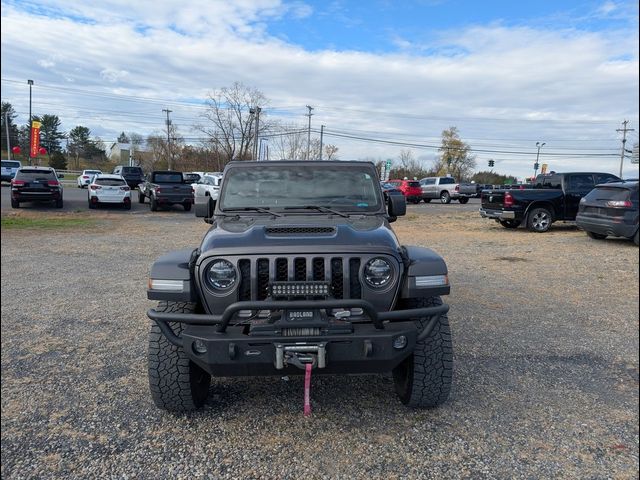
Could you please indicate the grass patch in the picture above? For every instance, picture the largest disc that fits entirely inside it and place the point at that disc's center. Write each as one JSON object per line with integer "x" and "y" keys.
{"x": 14, "y": 223}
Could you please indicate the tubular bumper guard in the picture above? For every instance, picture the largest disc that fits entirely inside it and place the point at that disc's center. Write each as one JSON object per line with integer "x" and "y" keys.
{"x": 222, "y": 321}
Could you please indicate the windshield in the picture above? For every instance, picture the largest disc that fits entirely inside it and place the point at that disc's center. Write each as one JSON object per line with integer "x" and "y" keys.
{"x": 349, "y": 187}
{"x": 167, "y": 178}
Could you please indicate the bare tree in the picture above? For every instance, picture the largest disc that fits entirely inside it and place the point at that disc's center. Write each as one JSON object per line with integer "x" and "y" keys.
{"x": 408, "y": 167}
{"x": 229, "y": 123}
{"x": 330, "y": 152}
{"x": 455, "y": 158}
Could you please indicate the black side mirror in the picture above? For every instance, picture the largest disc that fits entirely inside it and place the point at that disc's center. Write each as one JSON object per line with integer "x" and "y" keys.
{"x": 204, "y": 206}
{"x": 397, "y": 206}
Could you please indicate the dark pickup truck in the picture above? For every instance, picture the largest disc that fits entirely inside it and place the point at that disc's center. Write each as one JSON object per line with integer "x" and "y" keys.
{"x": 554, "y": 196}
{"x": 166, "y": 188}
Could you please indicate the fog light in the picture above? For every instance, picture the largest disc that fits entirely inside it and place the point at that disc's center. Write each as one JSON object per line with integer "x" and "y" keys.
{"x": 199, "y": 347}
{"x": 400, "y": 342}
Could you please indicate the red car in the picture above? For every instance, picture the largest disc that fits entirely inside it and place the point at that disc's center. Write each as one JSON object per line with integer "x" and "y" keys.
{"x": 409, "y": 188}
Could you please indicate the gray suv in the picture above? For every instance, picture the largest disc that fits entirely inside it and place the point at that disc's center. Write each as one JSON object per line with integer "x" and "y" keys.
{"x": 299, "y": 272}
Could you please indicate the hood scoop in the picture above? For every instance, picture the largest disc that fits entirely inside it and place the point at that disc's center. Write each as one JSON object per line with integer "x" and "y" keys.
{"x": 300, "y": 231}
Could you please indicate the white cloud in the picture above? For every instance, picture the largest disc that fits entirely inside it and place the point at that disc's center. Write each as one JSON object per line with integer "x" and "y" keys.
{"x": 503, "y": 86}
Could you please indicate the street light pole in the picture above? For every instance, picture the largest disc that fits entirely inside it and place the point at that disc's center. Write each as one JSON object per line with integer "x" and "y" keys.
{"x": 30, "y": 82}
{"x": 535, "y": 167}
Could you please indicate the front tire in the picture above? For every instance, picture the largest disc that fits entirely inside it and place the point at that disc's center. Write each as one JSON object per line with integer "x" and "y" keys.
{"x": 424, "y": 378}
{"x": 445, "y": 198}
{"x": 539, "y": 220}
{"x": 176, "y": 383}
{"x": 596, "y": 236}
{"x": 510, "y": 223}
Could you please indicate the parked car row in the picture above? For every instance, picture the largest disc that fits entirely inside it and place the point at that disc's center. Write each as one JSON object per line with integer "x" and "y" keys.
{"x": 600, "y": 203}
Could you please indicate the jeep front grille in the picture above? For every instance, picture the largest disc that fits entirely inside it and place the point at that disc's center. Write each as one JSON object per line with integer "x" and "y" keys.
{"x": 257, "y": 274}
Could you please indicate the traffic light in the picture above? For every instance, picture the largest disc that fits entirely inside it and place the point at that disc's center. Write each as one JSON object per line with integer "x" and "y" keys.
{"x": 491, "y": 163}
{"x": 536, "y": 166}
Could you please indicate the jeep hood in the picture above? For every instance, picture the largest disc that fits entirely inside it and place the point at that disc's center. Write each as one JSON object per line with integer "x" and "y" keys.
{"x": 295, "y": 234}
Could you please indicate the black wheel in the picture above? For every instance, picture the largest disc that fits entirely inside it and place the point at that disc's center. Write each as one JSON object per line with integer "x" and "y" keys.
{"x": 445, "y": 197}
{"x": 176, "y": 383}
{"x": 424, "y": 378}
{"x": 127, "y": 205}
{"x": 154, "y": 204}
{"x": 187, "y": 206}
{"x": 510, "y": 223}
{"x": 596, "y": 236}
{"x": 140, "y": 197}
{"x": 15, "y": 203}
{"x": 426, "y": 200}
{"x": 59, "y": 203}
{"x": 539, "y": 220}
{"x": 463, "y": 200}
{"x": 636, "y": 240}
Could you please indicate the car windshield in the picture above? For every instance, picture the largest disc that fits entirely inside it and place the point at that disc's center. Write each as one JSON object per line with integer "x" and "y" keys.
{"x": 109, "y": 182}
{"x": 349, "y": 187}
{"x": 167, "y": 178}
{"x": 608, "y": 193}
{"x": 35, "y": 175}
{"x": 132, "y": 170}
{"x": 388, "y": 185}
{"x": 10, "y": 164}
{"x": 92, "y": 172}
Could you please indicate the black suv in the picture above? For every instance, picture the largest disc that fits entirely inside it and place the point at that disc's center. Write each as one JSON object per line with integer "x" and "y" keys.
{"x": 610, "y": 209}
{"x": 299, "y": 271}
{"x": 36, "y": 184}
{"x": 132, "y": 175}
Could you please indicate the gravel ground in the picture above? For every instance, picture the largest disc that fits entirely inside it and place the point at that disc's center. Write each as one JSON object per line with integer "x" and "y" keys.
{"x": 545, "y": 330}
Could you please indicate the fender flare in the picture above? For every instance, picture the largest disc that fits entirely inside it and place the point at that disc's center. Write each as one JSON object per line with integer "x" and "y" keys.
{"x": 422, "y": 262}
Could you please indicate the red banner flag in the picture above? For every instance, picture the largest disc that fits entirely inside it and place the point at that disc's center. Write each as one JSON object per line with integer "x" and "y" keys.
{"x": 35, "y": 138}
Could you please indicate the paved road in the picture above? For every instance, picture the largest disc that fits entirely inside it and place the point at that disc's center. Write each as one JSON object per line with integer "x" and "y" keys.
{"x": 75, "y": 199}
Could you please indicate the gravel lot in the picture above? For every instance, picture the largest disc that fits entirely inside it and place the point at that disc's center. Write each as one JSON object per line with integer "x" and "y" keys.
{"x": 545, "y": 330}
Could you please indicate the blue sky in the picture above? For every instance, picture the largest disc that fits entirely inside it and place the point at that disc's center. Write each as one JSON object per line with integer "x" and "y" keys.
{"x": 506, "y": 74}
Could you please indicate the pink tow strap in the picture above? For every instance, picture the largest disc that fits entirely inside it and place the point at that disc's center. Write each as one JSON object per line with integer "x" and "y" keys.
{"x": 307, "y": 390}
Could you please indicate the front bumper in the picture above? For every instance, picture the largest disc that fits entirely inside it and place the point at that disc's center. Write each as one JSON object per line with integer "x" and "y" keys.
{"x": 356, "y": 348}
{"x": 497, "y": 214}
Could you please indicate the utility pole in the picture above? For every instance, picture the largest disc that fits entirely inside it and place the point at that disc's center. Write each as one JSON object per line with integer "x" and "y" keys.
{"x": 624, "y": 131}
{"x": 256, "y": 111}
{"x": 6, "y": 124}
{"x": 309, "y": 131}
{"x": 169, "y": 155}
{"x": 537, "y": 164}
{"x": 30, "y": 82}
{"x": 321, "y": 137}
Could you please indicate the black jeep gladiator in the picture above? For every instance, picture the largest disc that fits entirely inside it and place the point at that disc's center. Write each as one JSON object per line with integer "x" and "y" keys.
{"x": 166, "y": 188}
{"x": 300, "y": 270}
{"x": 554, "y": 196}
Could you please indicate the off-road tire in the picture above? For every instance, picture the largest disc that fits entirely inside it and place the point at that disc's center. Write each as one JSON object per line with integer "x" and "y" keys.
{"x": 596, "y": 236}
{"x": 510, "y": 223}
{"x": 424, "y": 378}
{"x": 463, "y": 200}
{"x": 539, "y": 220}
{"x": 176, "y": 383}
{"x": 154, "y": 204}
{"x": 445, "y": 198}
{"x": 140, "y": 197}
{"x": 187, "y": 206}
{"x": 15, "y": 203}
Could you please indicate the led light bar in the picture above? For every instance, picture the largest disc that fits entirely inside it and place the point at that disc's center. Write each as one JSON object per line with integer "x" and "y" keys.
{"x": 294, "y": 289}
{"x": 166, "y": 285}
{"x": 432, "y": 281}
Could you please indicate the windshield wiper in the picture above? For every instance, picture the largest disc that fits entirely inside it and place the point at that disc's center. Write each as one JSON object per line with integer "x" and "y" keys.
{"x": 320, "y": 209}
{"x": 253, "y": 209}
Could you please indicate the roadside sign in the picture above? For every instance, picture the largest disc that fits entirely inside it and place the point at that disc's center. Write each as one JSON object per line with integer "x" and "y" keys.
{"x": 387, "y": 170}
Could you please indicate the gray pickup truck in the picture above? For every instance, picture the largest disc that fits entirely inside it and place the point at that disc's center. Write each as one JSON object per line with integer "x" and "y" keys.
{"x": 444, "y": 189}
{"x": 166, "y": 188}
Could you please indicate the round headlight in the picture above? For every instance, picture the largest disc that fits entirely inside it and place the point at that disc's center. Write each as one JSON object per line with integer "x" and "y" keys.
{"x": 378, "y": 273}
{"x": 221, "y": 275}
